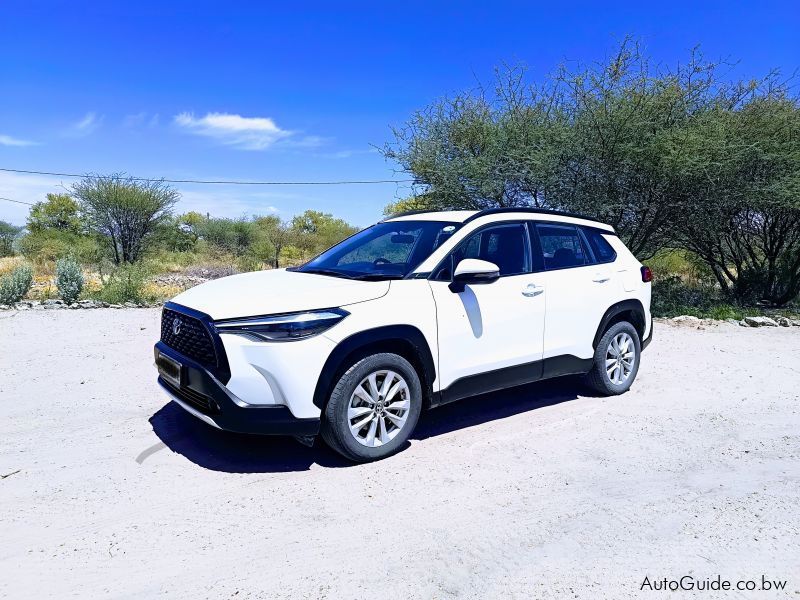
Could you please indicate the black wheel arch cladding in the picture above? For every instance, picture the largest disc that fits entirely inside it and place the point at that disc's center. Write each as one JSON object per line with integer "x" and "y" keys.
{"x": 627, "y": 310}
{"x": 405, "y": 340}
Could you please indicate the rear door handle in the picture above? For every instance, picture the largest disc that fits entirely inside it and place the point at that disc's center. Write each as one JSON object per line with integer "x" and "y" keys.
{"x": 601, "y": 278}
{"x": 532, "y": 290}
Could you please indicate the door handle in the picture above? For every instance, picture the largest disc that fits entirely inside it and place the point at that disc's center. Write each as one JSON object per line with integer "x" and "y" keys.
{"x": 532, "y": 290}
{"x": 601, "y": 278}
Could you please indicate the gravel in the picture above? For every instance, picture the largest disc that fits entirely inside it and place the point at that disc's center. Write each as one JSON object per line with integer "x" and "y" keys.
{"x": 540, "y": 492}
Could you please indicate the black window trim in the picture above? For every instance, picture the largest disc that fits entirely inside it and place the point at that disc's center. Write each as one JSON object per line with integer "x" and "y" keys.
{"x": 533, "y": 239}
{"x": 529, "y": 244}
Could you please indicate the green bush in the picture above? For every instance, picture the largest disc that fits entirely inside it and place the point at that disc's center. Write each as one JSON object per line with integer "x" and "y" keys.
{"x": 69, "y": 279}
{"x": 47, "y": 246}
{"x": 125, "y": 284}
{"x": 673, "y": 296}
{"x": 13, "y": 287}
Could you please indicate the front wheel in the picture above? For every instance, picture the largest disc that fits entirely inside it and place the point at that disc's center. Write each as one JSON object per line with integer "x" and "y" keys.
{"x": 373, "y": 408}
{"x": 616, "y": 360}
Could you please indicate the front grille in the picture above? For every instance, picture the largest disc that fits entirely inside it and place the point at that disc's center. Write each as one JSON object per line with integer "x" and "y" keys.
{"x": 190, "y": 337}
{"x": 196, "y": 400}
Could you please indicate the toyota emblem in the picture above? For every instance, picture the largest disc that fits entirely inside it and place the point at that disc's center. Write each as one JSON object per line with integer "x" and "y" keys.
{"x": 176, "y": 327}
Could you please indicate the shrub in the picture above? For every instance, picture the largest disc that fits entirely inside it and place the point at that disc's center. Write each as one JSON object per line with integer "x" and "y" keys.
{"x": 13, "y": 287}
{"x": 125, "y": 284}
{"x": 69, "y": 279}
{"x": 47, "y": 246}
{"x": 672, "y": 296}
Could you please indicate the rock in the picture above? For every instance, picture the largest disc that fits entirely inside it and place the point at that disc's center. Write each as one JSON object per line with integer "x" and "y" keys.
{"x": 74, "y": 306}
{"x": 743, "y": 323}
{"x": 5, "y": 307}
{"x": 115, "y": 306}
{"x": 685, "y": 319}
{"x": 53, "y": 302}
{"x": 760, "y": 322}
{"x": 22, "y": 306}
{"x": 795, "y": 322}
{"x": 131, "y": 305}
{"x": 732, "y": 321}
{"x": 784, "y": 322}
{"x": 104, "y": 304}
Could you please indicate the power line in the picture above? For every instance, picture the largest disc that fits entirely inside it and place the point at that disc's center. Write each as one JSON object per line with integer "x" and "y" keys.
{"x": 17, "y": 201}
{"x": 216, "y": 182}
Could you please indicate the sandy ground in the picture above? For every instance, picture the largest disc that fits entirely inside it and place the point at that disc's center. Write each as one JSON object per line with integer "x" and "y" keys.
{"x": 543, "y": 492}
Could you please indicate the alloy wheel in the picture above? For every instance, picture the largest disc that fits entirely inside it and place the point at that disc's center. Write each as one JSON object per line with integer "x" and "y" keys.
{"x": 378, "y": 408}
{"x": 620, "y": 358}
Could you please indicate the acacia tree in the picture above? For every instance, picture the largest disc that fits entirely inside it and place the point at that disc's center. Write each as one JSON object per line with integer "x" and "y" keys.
{"x": 277, "y": 234}
{"x": 59, "y": 212}
{"x": 8, "y": 233}
{"x": 125, "y": 211}
{"x": 743, "y": 177}
{"x": 595, "y": 140}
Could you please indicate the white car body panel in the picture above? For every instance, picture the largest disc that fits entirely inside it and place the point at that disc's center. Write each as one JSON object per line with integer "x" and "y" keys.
{"x": 488, "y": 326}
{"x": 282, "y": 373}
{"x": 276, "y": 291}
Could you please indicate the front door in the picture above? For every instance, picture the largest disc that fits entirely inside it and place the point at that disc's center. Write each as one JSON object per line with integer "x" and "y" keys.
{"x": 491, "y": 334}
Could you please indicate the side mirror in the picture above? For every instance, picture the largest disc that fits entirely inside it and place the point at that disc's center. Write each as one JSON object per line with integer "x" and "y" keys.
{"x": 471, "y": 271}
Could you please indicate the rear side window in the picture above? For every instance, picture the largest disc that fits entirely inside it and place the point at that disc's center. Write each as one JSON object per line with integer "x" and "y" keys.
{"x": 561, "y": 246}
{"x": 602, "y": 250}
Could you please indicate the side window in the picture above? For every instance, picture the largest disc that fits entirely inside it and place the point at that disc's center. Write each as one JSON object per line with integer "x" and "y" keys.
{"x": 601, "y": 249}
{"x": 504, "y": 245}
{"x": 561, "y": 246}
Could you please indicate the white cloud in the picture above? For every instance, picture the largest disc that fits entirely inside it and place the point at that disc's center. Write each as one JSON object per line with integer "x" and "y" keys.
{"x": 7, "y": 140}
{"x": 228, "y": 204}
{"x": 86, "y": 126}
{"x": 140, "y": 120}
{"x": 246, "y": 133}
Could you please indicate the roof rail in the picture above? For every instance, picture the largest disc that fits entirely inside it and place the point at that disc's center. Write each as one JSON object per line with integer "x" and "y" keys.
{"x": 525, "y": 209}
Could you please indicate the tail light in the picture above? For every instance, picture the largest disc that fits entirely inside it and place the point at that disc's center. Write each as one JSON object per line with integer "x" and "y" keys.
{"x": 647, "y": 274}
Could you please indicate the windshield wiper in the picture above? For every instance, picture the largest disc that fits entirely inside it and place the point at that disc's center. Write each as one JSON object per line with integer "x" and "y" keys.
{"x": 377, "y": 276}
{"x": 330, "y": 272}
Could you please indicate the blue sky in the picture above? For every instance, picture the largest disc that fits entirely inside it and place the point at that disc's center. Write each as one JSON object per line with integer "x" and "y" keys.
{"x": 300, "y": 91}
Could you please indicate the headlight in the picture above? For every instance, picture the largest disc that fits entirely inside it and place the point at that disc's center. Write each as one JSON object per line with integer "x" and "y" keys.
{"x": 283, "y": 328}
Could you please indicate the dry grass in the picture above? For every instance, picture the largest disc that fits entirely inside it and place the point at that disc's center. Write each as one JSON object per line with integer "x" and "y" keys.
{"x": 9, "y": 263}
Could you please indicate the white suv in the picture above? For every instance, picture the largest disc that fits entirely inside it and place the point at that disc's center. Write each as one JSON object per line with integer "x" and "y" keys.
{"x": 416, "y": 311}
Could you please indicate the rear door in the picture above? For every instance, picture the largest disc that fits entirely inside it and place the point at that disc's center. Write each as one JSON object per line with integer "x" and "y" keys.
{"x": 580, "y": 288}
{"x": 487, "y": 329}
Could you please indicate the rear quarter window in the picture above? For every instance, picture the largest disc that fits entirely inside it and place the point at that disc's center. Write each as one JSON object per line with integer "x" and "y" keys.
{"x": 602, "y": 250}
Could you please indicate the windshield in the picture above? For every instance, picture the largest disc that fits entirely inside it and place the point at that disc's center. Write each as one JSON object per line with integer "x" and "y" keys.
{"x": 389, "y": 250}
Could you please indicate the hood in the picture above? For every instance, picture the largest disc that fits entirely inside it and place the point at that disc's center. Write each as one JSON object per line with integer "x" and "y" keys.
{"x": 276, "y": 291}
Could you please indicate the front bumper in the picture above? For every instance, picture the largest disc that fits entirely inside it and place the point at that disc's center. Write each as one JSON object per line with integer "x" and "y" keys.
{"x": 205, "y": 397}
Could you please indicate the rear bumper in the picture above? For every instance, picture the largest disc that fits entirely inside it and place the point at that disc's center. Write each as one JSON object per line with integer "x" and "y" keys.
{"x": 206, "y": 398}
{"x": 646, "y": 341}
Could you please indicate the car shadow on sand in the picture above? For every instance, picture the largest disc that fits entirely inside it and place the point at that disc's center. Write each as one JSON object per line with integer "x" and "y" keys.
{"x": 241, "y": 453}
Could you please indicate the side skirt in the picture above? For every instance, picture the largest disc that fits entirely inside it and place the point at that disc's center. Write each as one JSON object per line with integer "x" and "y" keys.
{"x": 508, "y": 377}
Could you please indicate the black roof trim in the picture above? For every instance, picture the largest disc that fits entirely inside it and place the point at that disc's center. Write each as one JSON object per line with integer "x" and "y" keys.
{"x": 525, "y": 209}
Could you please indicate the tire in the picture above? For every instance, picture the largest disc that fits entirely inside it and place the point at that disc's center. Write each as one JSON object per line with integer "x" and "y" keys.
{"x": 366, "y": 420}
{"x": 605, "y": 377}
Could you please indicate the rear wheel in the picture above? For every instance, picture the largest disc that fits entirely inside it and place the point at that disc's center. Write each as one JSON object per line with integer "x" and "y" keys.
{"x": 373, "y": 408}
{"x": 616, "y": 360}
